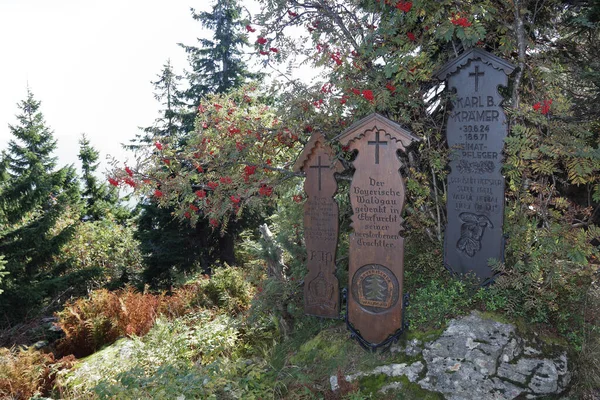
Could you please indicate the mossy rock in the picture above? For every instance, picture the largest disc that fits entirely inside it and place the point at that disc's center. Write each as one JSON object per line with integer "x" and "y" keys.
{"x": 549, "y": 343}
{"x": 423, "y": 336}
{"x": 373, "y": 384}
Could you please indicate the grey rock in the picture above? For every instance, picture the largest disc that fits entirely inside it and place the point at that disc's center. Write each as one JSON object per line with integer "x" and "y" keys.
{"x": 393, "y": 370}
{"x": 411, "y": 349}
{"x": 410, "y": 371}
{"x": 545, "y": 379}
{"x": 477, "y": 358}
{"x": 479, "y": 342}
{"x": 333, "y": 381}
{"x": 513, "y": 349}
{"x": 561, "y": 363}
{"x": 530, "y": 351}
{"x": 462, "y": 380}
{"x": 126, "y": 350}
{"x": 520, "y": 372}
{"x": 507, "y": 389}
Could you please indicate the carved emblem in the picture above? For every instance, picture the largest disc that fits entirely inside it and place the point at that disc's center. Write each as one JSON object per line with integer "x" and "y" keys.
{"x": 321, "y": 293}
{"x": 471, "y": 232}
{"x": 375, "y": 288}
{"x": 475, "y": 167}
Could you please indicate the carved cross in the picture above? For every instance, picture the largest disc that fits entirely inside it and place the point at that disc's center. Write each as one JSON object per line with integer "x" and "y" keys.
{"x": 476, "y": 74}
{"x": 319, "y": 167}
{"x": 376, "y": 143}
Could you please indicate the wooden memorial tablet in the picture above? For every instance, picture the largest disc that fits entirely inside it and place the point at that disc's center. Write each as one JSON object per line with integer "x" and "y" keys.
{"x": 377, "y": 194}
{"x": 321, "y": 287}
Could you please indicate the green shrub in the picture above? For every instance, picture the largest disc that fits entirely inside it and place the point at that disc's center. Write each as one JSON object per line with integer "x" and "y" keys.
{"x": 587, "y": 379}
{"x": 547, "y": 273}
{"x": 435, "y": 296}
{"x": 227, "y": 289}
{"x": 107, "y": 245}
{"x": 432, "y": 305}
{"x": 99, "y": 319}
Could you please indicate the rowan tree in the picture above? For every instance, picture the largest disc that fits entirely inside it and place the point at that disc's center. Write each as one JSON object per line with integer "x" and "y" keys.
{"x": 238, "y": 158}
{"x": 382, "y": 56}
{"x": 216, "y": 65}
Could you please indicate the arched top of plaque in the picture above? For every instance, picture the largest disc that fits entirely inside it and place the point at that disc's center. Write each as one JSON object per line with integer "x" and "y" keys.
{"x": 378, "y": 123}
{"x": 316, "y": 144}
{"x": 461, "y": 61}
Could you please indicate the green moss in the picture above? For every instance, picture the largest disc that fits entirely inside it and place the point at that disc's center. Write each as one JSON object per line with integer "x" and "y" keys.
{"x": 369, "y": 386}
{"x": 518, "y": 322}
{"x": 326, "y": 345}
{"x": 332, "y": 350}
{"x": 494, "y": 316}
{"x": 549, "y": 344}
{"x": 424, "y": 336}
{"x": 553, "y": 341}
{"x": 373, "y": 383}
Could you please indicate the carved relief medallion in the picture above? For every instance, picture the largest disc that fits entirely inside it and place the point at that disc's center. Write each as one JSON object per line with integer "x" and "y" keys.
{"x": 375, "y": 288}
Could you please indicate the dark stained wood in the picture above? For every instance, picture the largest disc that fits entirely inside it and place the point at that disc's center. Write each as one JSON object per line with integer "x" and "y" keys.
{"x": 476, "y": 131}
{"x": 321, "y": 287}
{"x": 377, "y": 196}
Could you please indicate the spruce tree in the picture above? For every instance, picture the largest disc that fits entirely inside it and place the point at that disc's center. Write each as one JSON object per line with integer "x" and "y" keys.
{"x": 217, "y": 64}
{"x": 39, "y": 208}
{"x": 169, "y": 124}
{"x": 101, "y": 201}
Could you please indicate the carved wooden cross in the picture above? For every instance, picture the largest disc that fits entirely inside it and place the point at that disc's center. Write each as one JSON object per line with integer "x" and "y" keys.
{"x": 476, "y": 74}
{"x": 319, "y": 167}
{"x": 376, "y": 143}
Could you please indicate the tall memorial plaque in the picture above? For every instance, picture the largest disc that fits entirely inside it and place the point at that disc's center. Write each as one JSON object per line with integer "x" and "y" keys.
{"x": 377, "y": 193}
{"x": 321, "y": 287}
{"x": 475, "y": 132}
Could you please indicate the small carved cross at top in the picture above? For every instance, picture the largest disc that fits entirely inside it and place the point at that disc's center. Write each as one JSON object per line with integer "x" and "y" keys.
{"x": 319, "y": 166}
{"x": 376, "y": 143}
{"x": 476, "y": 74}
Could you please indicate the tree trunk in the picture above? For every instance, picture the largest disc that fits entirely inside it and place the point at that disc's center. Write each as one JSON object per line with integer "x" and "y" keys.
{"x": 227, "y": 249}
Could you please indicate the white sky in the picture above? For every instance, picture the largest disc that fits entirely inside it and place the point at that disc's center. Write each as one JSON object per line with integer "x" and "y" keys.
{"x": 90, "y": 63}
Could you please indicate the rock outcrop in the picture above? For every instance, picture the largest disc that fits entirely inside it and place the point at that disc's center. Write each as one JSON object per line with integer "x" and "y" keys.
{"x": 477, "y": 358}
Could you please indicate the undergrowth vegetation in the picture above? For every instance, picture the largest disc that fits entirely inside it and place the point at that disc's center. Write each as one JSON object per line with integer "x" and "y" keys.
{"x": 93, "y": 322}
{"x": 224, "y": 337}
{"x": 25, "y": 373}
{"x": 197, "y": 323}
